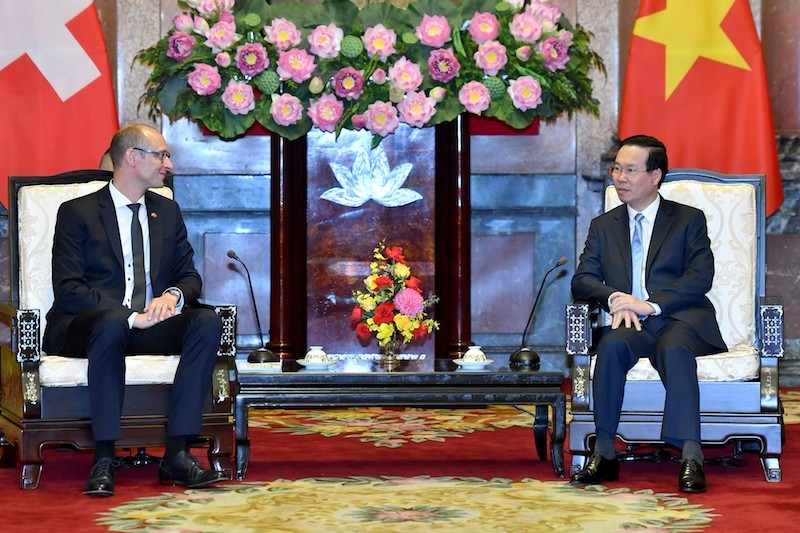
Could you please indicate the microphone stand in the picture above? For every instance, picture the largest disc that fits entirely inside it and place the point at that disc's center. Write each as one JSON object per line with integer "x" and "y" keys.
{"x": 261, "y": 354}
{"x": 525, "y": 357}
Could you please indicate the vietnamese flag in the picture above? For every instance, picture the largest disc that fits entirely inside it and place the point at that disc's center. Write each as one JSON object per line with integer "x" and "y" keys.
{"x": 695, "y": 79}
{"x": 58, "y": 109}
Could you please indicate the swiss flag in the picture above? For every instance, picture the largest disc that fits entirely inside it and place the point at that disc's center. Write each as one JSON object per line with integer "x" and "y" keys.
{"x": 695, "y": 80}
{"x": 58, "y": 110}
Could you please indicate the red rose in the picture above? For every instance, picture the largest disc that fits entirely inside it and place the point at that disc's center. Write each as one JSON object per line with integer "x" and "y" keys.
{"x": 384, "y": 313}
{"x": 396, "y": 253}
{"x": 363, "y": 332}
{"x": 356, "y": 315}
{"x": 383, "y": 282}
{"x": 420, "y": 332}
{"x": 413, "y": 283}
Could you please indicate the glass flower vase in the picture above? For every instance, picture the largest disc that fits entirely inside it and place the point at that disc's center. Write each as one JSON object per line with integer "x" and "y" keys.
{"x": 389, "y": 353}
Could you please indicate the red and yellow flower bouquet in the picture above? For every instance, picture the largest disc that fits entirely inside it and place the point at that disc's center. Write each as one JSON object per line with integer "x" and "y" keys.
{"x": 392, "y": 308}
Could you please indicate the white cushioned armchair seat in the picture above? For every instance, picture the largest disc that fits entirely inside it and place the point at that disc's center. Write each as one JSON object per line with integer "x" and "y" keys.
{"x": 36, "y": 229}
{"x": 728, "y": 208}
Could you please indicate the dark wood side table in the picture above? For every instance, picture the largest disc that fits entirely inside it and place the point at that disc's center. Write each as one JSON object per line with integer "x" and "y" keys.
{"x": 348, "y": 385}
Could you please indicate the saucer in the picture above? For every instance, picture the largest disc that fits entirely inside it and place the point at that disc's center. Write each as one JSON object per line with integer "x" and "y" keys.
{"x": 472, "y": 365}
{"x": 315, "y": 365}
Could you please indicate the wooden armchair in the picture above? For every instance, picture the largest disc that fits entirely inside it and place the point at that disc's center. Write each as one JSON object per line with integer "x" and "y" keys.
{"x": 739, "y": 400}
{"x": 43, "y": 398}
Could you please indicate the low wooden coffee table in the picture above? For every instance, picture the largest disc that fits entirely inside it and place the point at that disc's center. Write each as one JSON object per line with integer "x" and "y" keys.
{"x": 347, "y": 385}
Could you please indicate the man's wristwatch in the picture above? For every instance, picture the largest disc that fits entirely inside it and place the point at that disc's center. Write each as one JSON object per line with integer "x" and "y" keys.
{"x": 175, "y": 292}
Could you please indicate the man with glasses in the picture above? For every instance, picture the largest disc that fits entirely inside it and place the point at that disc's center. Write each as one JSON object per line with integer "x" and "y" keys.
{"x": 648, "y": 263}
{"x": 124, "y": 281}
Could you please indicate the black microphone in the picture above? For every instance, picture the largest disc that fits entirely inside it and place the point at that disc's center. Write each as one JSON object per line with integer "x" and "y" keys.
{"x": 524, "y": 356}
{"x": 262, "y": 354}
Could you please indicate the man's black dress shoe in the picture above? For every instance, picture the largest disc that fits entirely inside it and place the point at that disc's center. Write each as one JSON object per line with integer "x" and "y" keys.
{"x": 101, "y": 479}
{"x": 597, "y": 470}
{"x": 692, "y": 478}
{"x": 184, "y": 469}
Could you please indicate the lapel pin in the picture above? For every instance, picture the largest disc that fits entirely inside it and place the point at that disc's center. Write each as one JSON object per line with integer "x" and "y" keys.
{"x": 153, "y": 215}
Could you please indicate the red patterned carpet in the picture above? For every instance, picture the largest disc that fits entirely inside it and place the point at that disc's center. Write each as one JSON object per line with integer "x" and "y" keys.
{"x": 408, "y": 470}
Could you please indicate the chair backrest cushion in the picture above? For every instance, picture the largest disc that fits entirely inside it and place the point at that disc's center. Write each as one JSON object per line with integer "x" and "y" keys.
{"x": 37, "y": 207}
{"x": 730, "y": 210}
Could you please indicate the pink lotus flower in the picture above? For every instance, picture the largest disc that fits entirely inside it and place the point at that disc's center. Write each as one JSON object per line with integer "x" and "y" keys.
{"x": 325, "y": 41}
{"x": 443, "y": 65}
{"x": 380, "y": 41}
{"x": 223, "y": 59}
{"x": 379, "y": 76}
{"x": 416, "y": 109}
{"x": 283, "y": 34}
{"x": 221, "y": 36}
{"x": 491, "y": 57}
{"x": 201, "y": 26}
{"x": 212, "y": 7}
{"x": 474, "y": 96}
{"x": 180, "y": 46}
{"x": 204, "y": 79}
{"x": 484, "y": 27}
{"x": 409, "y": 302}
{"x": 381, "y": 118}
{"x": 555, "y": 53}
{"x": 347, "y": 83}
{"x": 523, "y": 53}
{"x": 546, "y": 14}
{"x": 405, "y": 75}
{"x": 525, "y": 27}
{"x": 286, "y": 109}
{"x": 325, "y": 112}
{"x": 296, "y": 64}
{"x": 433, "y": 31}
{"x": 251, "y": 58}
{"x": 183, "y": 22}
{"x": 525, "y": 93}
{"x": 238, "y": 98}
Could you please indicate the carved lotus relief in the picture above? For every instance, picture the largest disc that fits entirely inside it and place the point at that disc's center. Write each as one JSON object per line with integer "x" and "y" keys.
{"x": 371, "y": 178}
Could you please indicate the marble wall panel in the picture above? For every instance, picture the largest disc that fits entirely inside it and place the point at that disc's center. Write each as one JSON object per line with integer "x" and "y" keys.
{"x": 225, "y": 279}
{"x": 782, "y": 59}
{"x": 521, "y": 226}
{"x": 783, "y": 256}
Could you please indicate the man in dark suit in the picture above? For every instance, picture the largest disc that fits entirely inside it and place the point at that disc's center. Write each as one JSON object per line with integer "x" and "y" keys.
{"x": 648, "y": 263}
{"x": 123, "y": 276}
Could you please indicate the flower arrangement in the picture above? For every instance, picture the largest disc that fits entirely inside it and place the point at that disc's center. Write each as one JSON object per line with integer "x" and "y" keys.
{"x": 292, "y": 66}
{"x": 392, "y": 308}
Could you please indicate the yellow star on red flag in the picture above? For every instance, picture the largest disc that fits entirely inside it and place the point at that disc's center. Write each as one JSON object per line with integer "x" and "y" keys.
{"x": 689, "y": 30}
{"x": 695, "y": 79}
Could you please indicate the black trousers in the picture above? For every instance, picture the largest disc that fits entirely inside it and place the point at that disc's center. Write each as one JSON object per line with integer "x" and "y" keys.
{"x": 105, "y": 339}
{"x": 671, "y": 346}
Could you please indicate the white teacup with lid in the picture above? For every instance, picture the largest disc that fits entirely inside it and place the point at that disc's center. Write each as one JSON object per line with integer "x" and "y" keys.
{"x": 316, "y": 354}
{"x": 474, "y": 355}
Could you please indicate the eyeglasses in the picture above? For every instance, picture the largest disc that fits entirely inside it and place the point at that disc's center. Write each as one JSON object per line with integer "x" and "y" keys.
{"x": 163, "y": 155}
{"x": 617, "y": 170}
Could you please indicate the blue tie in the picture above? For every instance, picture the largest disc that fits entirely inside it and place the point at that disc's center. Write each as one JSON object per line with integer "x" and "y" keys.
{"x": 637, "y": 253}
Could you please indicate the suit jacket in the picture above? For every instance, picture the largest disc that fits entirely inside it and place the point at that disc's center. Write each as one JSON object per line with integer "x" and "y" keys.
{"x": 678, "y": 272}
{"x": 88, "y": 271}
